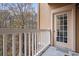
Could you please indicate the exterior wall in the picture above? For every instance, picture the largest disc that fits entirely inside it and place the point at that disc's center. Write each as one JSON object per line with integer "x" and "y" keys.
{"x": 45, "y": 16}
{"x": 46, "y": 20}
{"x": 57, "y": 5}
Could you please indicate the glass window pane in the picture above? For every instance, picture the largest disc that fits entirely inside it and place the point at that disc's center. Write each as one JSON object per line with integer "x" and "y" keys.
{"x": 61, "y": 28}
{"x": 65, "y": 28}
{"x": 58, "y": 38}
{"x": 65, "y": 40}
{"x": 65, "y": 22}
{"x": 61, "y": 17}
{"x": 61, "y": 33}
{"x": 65, "y": 34}
{"x": 65, "y": 16}
{"x": 61, "y": 22}
{"x": 61, "y": 39}
{"x": 58, "y": 33}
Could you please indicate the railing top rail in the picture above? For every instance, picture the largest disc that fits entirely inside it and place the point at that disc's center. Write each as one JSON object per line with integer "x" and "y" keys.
{"x": 16, "y": 30}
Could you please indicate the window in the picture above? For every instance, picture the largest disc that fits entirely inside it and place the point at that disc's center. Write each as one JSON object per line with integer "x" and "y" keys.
{"x": 62, "y": 28}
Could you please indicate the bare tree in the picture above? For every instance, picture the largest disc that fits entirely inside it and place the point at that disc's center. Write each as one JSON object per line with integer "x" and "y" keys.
{"x": 19, "y": 14}
{"x": 4, "y": 14}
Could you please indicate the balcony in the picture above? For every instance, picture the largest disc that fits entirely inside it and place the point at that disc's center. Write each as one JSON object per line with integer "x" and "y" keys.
{"x": 22, "y": 42}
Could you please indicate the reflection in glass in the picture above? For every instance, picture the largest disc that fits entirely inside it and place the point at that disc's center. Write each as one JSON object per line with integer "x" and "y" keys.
{"x": 62, "y": 28}
{"x": 61, "y": 39}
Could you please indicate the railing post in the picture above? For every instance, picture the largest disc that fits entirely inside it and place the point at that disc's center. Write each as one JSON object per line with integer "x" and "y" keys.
{"x": 25, "y": 44}
{"x": 29, "y": 43}
{"x": 35, "y": 43}
{"x": 4, "y": 45}
{"x": 41, "y": 38}
{"x": 13, "y": 45}
{"x": 32, "y": 44}
{"x": 20, "y": 44}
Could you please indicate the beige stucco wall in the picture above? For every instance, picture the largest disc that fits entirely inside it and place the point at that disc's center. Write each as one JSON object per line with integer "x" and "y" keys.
{"x": 46, "y": 21}
{"x": 45, "y": 16}
{"x": 57, "y": 5}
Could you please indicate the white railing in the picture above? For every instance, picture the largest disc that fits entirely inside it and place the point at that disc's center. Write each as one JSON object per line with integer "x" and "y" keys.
{"x": 23, "y": 42}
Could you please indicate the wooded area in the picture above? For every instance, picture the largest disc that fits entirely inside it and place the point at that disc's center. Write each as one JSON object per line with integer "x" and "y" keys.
{"x": 18, "y": 15}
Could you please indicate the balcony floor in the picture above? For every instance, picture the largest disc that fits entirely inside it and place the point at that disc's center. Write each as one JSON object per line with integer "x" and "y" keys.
{"x": 52, "y": 51}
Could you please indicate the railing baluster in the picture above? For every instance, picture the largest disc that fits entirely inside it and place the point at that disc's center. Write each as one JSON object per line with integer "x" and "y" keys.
{"x": 4, "y": 45}
{"x": 29, "y": 43}
{"x": 25, "y": 44}
{"x": 41, "y": 44}
{"x": 20, "y": 44}
{"x": 35, "y": 43}
{"x": 32, "y": 43}
{"x": 13, "y": 45}
{"x": 41, "y": 34}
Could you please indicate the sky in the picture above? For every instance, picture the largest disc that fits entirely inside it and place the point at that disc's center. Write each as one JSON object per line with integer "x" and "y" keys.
{"x": 35, "y": 5}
